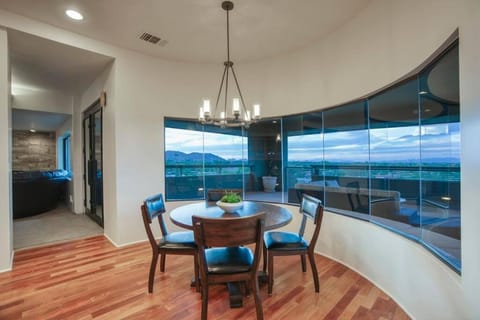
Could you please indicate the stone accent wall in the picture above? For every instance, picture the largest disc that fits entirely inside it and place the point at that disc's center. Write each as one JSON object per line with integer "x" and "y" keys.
{"x": 33, "y": 150}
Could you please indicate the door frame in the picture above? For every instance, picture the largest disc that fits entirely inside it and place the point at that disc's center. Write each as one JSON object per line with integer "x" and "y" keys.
{"x": 88, "y": 115}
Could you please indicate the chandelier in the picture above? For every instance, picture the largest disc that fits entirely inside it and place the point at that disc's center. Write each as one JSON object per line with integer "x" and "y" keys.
{"x": 240, "y": 116}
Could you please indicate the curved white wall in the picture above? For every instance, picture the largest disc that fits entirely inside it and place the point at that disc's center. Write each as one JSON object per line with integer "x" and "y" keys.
{"x": 379, "y": 46}
{"x": 383, "y": 43}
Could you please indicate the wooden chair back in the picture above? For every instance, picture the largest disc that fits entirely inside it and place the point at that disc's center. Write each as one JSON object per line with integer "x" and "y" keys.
{"x": 222, "y": 235}
{"x": 228, "y": 232}
{"x": 311, "y": 208}
{"x": 153, "y": 208}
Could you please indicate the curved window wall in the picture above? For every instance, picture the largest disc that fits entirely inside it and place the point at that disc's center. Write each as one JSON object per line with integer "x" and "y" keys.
{"x": 392, "y": 159}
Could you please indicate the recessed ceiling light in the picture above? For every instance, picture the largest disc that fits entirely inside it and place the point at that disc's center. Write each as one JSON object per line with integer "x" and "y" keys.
{"x": 33, "y": 130}
{"x": 75, "y": 15}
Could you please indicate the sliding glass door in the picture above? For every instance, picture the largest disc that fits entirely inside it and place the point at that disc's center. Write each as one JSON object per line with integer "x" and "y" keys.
{"x": 93, "y": 166}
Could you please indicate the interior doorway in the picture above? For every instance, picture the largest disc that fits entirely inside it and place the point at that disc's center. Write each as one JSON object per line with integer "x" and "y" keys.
{"x": 93, "y": 162}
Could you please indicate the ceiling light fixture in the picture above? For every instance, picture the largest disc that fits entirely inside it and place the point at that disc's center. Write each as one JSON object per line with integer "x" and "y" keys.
{"x": 241, "y": 117}
{"x": 75, "y": 15}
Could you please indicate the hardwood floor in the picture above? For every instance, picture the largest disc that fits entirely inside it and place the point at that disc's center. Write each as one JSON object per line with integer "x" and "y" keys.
{"x": 91, "y": 279}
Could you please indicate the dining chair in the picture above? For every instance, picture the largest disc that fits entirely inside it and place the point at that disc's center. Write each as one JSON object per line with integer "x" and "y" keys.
{"x": 224, "y": 256}
{"x": 177, "y": 243}
{"x": 281, "y": 243}
{"x": 355, "y": 199}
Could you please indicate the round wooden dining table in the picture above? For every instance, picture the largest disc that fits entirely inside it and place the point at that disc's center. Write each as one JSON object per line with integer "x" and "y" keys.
{"x": 276, "y": 216}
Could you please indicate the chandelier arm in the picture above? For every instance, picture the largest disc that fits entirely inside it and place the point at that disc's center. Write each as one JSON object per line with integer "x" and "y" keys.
{"x": 220, "y": 89}
{"x": 226, "y": 90}
{"x": 239, "y": 91}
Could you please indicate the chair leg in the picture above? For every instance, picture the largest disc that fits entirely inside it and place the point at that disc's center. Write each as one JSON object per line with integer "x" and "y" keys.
{"x": 247, "y": 286}
{"x": 195, "y": 268}
{"x": 302, "y": 258}
{"x": 264, "y": 258}
{"x": 258, "y": 299}
{"x": 163, "y": 256}
{"x": 314, "y": 271}
{"x": 270, "y": 272}
{"x": 151, "y": 274}
{"x": 204, "y": 300}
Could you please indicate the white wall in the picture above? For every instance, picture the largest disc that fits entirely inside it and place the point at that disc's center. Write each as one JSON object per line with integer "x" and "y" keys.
{"x": 6, "y": 237}
{"x": 380, "y": 45}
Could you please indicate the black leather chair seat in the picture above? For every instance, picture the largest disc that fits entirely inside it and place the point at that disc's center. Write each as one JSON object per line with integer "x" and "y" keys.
{"x": 284, "y": 241}
{"x": 178, "y": 240}
{"x": 229, "y": 260}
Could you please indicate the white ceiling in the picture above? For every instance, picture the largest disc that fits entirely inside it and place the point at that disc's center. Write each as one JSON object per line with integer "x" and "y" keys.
{"x": 196, "y": 29}
{"x": 37, "y": 120}
{"x": 41, "y": 64}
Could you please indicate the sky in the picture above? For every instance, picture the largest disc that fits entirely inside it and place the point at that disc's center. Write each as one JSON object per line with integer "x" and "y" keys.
{"x": 386, "y": 144}
{"x": 188, "y": 141}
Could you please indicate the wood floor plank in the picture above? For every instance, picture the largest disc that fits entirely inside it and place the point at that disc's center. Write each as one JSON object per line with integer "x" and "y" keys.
{"x": 91, "y": 279}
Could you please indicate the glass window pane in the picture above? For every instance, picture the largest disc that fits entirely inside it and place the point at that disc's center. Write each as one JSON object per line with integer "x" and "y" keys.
{"x": 395, "y": 157}
{"x": 346, "y": 159}
{"x": 224, "y": 159}
{"x": 304, "y": 154}
{"x": 265, "y": 161}
{"x": 183, "y": 164}
{"x": 440, "y": 148}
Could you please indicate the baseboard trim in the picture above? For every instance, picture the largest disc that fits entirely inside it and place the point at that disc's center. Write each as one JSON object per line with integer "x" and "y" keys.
{"x": 125, "y": 244}
{"x": 10, "y": 268}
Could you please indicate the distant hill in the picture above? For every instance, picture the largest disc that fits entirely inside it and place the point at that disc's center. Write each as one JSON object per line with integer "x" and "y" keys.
{"x": 194, "y": 157}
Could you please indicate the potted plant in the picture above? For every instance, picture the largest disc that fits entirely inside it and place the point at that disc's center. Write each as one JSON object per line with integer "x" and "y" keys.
{"x": 230, "y": 202}
{"x": 269, "y": 183}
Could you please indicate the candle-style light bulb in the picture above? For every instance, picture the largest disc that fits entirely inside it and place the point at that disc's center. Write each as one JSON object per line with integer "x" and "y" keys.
{"x": 201, "y": 116}
{"x": 206, "y": 107}
{"x": 256, "y": 111}
{"x": 236, "y": 106}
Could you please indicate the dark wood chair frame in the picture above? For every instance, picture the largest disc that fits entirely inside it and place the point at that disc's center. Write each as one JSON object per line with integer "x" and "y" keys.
{"x": 148, "y": 217}
{"x": 229, "y": 232}
{"x": 311, "y": 208}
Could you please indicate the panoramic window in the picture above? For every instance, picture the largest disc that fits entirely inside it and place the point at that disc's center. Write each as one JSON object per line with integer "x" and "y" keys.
{"x": 392, "y": 159}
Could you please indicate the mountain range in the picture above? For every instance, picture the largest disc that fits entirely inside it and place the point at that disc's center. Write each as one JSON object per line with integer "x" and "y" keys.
{"x": 194, "y": 157}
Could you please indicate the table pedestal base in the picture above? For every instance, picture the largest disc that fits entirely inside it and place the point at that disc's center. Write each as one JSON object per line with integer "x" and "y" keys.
{"x": 235, "y": 294}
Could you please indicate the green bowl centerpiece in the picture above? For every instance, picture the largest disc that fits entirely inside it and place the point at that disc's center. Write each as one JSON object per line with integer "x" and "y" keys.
{"x": 230, "y": 202}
